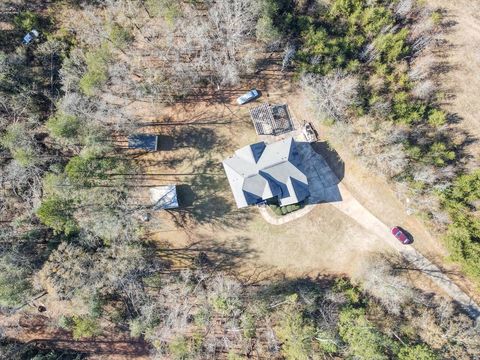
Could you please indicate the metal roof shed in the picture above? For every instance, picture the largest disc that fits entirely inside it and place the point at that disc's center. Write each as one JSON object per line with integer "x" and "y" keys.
{"x": 164, "y": 197}
{"x": 143, "y": 141}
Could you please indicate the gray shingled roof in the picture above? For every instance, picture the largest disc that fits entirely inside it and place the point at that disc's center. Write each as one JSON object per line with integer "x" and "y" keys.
{"x": 259, "y": 172}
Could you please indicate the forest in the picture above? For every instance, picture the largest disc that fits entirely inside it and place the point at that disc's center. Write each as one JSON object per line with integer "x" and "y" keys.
{"x": 72, "y": 233}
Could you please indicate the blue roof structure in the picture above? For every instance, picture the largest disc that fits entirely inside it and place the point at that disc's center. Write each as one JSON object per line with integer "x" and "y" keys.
{"x": 143, "y": 141}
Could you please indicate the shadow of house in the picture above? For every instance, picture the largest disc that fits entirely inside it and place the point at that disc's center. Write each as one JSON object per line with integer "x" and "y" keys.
{"x": 322, "y": 180}
{"x": 201, "y": 203}
{"x": 332, "y": 158}
{"x": 286, "y": 171}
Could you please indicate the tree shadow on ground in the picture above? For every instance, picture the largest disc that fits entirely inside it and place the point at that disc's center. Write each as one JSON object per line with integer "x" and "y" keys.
{"x": 204, "y": 202}
{"x": 300, "y": 285}
{"x": 199, "y": 138}
{"x": 400, "y": 265}
{"x": 206, "y": 252}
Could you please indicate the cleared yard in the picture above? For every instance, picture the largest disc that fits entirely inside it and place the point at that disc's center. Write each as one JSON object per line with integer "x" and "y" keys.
{"x": 203, "y": 133}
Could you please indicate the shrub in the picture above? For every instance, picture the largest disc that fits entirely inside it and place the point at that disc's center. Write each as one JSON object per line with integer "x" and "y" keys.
{"x": 225, "y": 304}
{"x": 405, "y": 110}
{"x": 136, "y": 327}
{"x": 15, "y": 287}
{"x": 352, "y": 293}
{"x": 266, "y": 31}
{"x": 62, "y": 125}
{"x": 416, "y": 352}
{"x": 439, "y": 154}
{"x": 183, "y": 348}
{"x": 57, "y": 214}
{"x": 95, "y": 306}
{"x": 169, "y": 10}
{"x": 232, "y": 355}
{"x": 248, "y": 326}
{"x": 345, "y": 7}
{"x": 18, "y": 141}
{"x": 463, "y": 237}
{"x": 85, "y": 327}
{"x": 437, "y": 17}
{"x": 82, "y": 170}
{"x": 66, "y": 322}
{"x": 392, "y": 47}
{"x": 119, "y": 35}
{"x": 437, "y": 118}
{"x": 25, "y": 156}
{"x": 295, "y": 333}
{"x": 27, "y": 20}
{"x": 363, "y": 339}
{"x": 97, "y": 70}
{"x": 374, "y": 18}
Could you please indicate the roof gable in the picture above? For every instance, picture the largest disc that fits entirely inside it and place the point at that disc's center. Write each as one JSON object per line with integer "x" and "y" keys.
{"x": 259, "y": 172}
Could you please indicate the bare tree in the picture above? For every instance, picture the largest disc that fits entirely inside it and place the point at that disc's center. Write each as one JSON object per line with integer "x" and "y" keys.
{"x": 331, "y": 95}
{"x": 424, "y": 90}
{"x": 404, "y": 8}
{"x": 288, "y": 55}
{"x": 379, "y": 280}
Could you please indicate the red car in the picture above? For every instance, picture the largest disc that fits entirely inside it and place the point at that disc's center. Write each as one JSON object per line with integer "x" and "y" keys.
{"x": 400, "y": 236}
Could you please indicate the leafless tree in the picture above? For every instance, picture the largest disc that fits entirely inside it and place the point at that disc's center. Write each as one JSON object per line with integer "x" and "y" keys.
{"x": 424, "y": 90}
{"x": 379, "y": 280}
{"x": 422, "y": 67}
{"x": 404, "y": 8}
{"x": 288, "y": 55}
{"x": 331, "y": 95}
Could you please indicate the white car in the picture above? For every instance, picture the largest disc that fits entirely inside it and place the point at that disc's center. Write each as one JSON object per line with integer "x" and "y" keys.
{"x": 32, "y": 35}
{"x": 249, "y": 96}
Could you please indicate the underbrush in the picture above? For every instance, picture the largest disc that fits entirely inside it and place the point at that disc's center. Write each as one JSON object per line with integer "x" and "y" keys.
{"x": 284, "y": 210}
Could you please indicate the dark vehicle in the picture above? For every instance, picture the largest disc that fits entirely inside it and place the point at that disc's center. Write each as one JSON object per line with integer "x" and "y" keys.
{"x": 399, "y": 234}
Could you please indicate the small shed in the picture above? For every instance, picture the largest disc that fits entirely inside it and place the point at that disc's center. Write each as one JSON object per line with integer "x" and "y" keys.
{"x": 143, "y": 141}
{"x": 164, "y": 197}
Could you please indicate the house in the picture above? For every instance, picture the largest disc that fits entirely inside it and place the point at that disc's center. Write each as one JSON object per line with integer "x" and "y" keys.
{"x": 261, "y": 172}
{"x": 164, "y": 197}
{"x": 143, "y": 141}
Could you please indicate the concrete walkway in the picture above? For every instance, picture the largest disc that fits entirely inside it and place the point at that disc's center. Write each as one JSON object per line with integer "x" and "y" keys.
{"x": 325, "y": 187}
